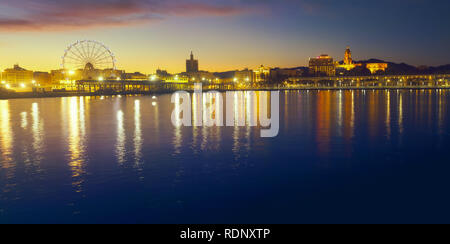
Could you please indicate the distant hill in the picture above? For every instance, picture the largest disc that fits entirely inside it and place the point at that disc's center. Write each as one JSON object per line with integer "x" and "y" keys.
{"x": 406, "y": 69}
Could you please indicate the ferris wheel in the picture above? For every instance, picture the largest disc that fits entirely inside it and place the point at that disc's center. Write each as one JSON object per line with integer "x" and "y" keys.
{"x": 88, "y": 54}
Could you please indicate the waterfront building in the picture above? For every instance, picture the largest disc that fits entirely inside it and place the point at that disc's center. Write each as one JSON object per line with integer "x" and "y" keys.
{"x": 278, "y": 74}
{"x": 42, "y": 78}
{"x": 112, "y": 74}
{"x": 89, "y": 72}
{"x": 17, "y": 76}
{"x": 323, "y": 65}
{"x": 162, "y": 74}
{"x": 192, "y": 65}
{"x": 57, "y": 76}
{"x": 201, "y": 76}
{"x": 177, "y": 79}
{"x": 262, "y": 74}
{"x": 136, "y": 76}
{"x": 245, "y": 76}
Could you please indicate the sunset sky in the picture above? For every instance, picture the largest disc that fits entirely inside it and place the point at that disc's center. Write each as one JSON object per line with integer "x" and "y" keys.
{"x": 225, "y": 34}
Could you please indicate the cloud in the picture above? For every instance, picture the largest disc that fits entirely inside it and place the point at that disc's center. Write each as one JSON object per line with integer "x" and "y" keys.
{"x": 60, "y": 15}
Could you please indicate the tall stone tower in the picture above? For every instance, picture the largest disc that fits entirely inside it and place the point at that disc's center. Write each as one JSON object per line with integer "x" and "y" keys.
{"x": 192, "y": 65}
{"x": 348, "y": 57}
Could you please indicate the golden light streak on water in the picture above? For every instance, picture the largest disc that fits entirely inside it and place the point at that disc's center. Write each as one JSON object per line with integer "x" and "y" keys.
{"x": 37, "y": 132}
{"x": 340, "y": 117}
{"x": 6, "y": 138}
{"x": 388, "y": 114}
{"x": 24, "y": 120}
{"x": 400, "y": 113}
{"x": 155, "y": 136}
{"x": 177, "y": 140}
{"x": 138, "y": 141}
{"x": 120, "y": 145}
{"x": 441, "y": 109}
{"x": 74, "y": 137}
{"x": 352, "y": 119}
{"x": 82, "y": 117}
{"x": 77, "y": 141}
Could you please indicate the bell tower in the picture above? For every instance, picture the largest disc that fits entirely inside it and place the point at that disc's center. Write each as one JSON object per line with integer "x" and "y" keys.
{"x": 192, "y": 64}
{"x": 348, "y": 57}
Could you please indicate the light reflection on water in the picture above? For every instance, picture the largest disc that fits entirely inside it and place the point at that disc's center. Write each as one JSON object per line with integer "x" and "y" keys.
{"x": 120, "y": 146}
{"x": 38, "y": 133}
{"x": 6, "y": 139}
{"x": 74, "y": 108}
{"x": 127, "y": 148}
{"x": 137, "y": 133}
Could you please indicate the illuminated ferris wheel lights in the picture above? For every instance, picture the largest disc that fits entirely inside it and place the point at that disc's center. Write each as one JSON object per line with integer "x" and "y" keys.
{"x": 88, "y": 55}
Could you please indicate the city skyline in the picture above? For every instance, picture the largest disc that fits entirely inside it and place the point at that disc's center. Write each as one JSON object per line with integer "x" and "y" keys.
{"x": 338, "y": 59}
{"x": 232, "y": 35}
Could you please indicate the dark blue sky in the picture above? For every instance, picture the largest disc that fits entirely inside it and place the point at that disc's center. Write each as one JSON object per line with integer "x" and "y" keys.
{"x": 414, "y": 31}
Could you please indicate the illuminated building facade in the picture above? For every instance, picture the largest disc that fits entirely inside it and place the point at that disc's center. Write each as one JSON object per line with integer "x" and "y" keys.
{"x": 375, "y": 67}
{"x": 348, "y": 61}
{"x": 262, "y": 74}
{"x": 348, "y": 56}
{"x": 17, "y": 76}
{"x": 244, "y": 76}
{"x": 177, "y": 79}
{"x": 57, "y": 76}
{"x": 192, "y": 65}
{"x": 349, "y": 64}
{"x": 91, "y": 73}
{"x": 200, "y": 76}
{"x": 322, "y": 65}
{"x": 42, "y": 78}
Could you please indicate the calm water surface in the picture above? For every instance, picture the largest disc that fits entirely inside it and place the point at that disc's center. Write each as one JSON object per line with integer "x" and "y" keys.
{"x": 340, "y": 157}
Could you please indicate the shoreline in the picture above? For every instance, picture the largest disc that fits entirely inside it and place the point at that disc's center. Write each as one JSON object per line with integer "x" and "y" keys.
{"x": 29, "y": 95}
